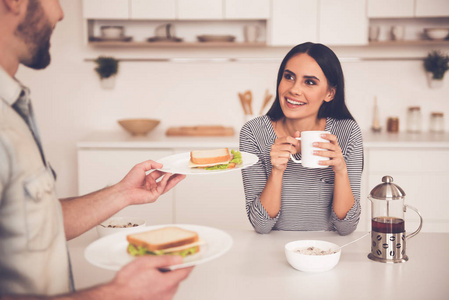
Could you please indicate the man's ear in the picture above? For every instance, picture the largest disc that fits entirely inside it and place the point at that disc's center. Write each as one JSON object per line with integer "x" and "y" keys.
{"x": 15, "y": 6}
{"x": 330, "y": 95}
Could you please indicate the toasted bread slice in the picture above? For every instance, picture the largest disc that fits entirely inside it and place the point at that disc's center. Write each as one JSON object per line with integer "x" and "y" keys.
{"x": 163, "y": 238}
{"x": 213, "y": 156}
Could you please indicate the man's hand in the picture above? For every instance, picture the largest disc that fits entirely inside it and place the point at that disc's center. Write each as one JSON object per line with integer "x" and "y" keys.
{"x": 142, "y": 279}
{"x": 139, "y": 187}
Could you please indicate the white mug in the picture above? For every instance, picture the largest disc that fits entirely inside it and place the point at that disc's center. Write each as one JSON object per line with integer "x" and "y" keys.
{"x": 397, "y": 33}
{"x": 309, "y": 160}
{"x": 373, "y": 33}
{"x": 252, "y": 33}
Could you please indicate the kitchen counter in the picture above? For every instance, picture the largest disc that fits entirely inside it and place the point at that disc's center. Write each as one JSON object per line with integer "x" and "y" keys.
{"x": 256, "y": 268}
{"x": 154, "y": 140}
{"x": 158, "y": 139}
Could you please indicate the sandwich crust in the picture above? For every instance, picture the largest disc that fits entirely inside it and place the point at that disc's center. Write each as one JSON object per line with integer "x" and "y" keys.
{"x": 214, "y": 156}
{"x": 163, "y": 238}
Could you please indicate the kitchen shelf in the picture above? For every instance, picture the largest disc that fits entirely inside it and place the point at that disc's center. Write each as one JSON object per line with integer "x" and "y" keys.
{"x": 409, "y": 43}
{"x": 175, "y": 44}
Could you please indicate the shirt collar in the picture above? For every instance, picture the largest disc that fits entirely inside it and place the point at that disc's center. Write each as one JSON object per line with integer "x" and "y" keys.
{"x": 10, "y": 88}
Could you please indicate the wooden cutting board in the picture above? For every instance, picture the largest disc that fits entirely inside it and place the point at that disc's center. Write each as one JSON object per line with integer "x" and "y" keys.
{"x": 202, "y": 130}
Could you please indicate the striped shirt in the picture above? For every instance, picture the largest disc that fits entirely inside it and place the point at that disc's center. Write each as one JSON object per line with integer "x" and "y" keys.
{"x": 306, "y": 200}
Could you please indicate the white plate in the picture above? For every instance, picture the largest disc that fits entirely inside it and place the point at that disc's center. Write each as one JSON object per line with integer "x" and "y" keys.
{"x": 110, "y": 252}
{"x": 179, "y": 164}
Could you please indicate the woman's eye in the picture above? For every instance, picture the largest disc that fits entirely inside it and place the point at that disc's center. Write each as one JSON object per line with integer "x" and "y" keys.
{"x": 310, "y": 82}
{"x": 288, "y": 76}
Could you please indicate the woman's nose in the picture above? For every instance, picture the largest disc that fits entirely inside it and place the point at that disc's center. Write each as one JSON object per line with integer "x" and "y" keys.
{"x": 296, "y": 89}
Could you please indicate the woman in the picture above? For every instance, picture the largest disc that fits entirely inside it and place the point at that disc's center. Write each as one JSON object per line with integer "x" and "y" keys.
{"x": 283, "y": 195}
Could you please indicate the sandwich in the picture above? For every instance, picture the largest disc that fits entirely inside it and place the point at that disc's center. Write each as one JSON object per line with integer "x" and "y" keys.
{"x": 164, "y": 241}
{"x": 215, "y": 159}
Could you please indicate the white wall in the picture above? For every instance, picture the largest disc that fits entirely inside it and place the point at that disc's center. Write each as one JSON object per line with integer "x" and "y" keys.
{"x": 69, "y": 102}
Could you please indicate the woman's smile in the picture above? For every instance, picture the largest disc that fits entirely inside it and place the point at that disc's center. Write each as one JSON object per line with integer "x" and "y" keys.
{"x": 293, "y": 103}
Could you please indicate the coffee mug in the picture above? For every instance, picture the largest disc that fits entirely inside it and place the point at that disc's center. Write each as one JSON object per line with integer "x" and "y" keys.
{"x": 373, "y": 33}
{"x": 309, "y": 160}
{"x": 252, "y": 33}
{"x": 397, "y": 33}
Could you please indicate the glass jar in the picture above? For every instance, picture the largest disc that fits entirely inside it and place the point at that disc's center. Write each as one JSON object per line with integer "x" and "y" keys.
{"x": 393, "y": 124}
{"x": 414, "y": 119}
{"x": 437, "y": 122}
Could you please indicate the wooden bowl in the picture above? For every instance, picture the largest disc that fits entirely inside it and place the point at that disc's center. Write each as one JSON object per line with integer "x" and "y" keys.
{"x": 138, "y": 127}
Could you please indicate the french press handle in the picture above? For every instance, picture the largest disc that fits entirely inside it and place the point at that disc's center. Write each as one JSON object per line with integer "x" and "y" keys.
{"x": 420, "y": 221}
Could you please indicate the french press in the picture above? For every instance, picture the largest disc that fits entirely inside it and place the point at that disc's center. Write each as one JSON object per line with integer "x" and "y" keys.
{"x": 388, "y": 237}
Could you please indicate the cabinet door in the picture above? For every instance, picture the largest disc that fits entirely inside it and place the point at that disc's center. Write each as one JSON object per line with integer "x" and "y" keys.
{"x": 293, "y": 22}
{"x": 216, "y": 200}
{"x": 247, "y": 9}
{"x": 106, "y": 9}
{"x": 422, "y": 176}
{"x": 391, "y": 8}
{"x": 153, "y": 9}
{"x": 200, "y": 9}
{"x": 98, "y": 169}
{"x": 432, "y": 8}
{"x": 343, "y": 22}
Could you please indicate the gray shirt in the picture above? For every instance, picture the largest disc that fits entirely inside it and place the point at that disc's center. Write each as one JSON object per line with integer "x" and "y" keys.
{"x": 307, "y": 194}
{"x": 33, "y": 250}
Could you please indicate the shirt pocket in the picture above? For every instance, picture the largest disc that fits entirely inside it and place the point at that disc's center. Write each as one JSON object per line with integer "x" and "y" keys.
{"x": 326, "y": 183}
{"x": 41, "y": 211}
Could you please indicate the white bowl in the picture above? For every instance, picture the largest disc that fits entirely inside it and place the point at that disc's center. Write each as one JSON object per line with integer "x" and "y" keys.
{"x": 112, "y": 32}
{"x": 312, "y": 263}
{"x": 116, "y": 224}
{"x": 436, "y": 33}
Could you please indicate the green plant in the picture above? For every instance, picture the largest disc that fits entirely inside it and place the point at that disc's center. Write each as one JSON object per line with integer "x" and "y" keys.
{"x": 437, "y": 63}
{"x": 106, "y": 66}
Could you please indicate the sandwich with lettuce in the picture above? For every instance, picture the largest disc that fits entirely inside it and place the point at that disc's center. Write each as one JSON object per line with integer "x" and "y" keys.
{"x": 215, "y": 159}
{"x": 170, "y": 240}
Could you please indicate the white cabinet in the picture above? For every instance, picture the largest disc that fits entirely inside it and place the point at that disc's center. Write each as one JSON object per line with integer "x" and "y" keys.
{"x": 293, "y": 22}
{"x": 217, "y": 201}
{"x": 329, "y": 22}
{"x": 99, "y": 168}
{"x": 106, "y": 9}
{"x": 247, "y": 9}
{"x": 432, "y": 8}
{"x": 423, "y": 177}
{"x": 343, "y": 22}
{"x": 407, "y": 8}
{"x": 391, "y": 8}
{"x": 200, "y": 9}
{"x": 153, "y": 9}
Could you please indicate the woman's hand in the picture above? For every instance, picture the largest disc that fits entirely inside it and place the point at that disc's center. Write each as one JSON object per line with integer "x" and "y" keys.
{"x": 333, "y": 151}
{"x": 281, "y": 150}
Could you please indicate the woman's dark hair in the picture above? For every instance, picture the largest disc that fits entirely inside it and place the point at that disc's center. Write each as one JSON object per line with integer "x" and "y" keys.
{"x": 329, "y": 63}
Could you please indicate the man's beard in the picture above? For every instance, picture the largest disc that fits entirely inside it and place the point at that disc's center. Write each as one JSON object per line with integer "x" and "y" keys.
{"x": 35, "y": 31}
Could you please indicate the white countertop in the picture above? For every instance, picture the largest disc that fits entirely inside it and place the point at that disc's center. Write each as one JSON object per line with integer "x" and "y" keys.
{"x": 154, "y": 140}
{"x": 157, "y": 139}
{"x": 256, "y": 268}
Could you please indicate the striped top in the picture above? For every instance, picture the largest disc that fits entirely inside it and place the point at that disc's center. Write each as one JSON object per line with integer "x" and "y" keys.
{"x": 306, "y": 200}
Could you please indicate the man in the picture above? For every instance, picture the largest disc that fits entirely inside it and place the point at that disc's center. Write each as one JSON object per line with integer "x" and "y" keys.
{"x": 34, "y": 225}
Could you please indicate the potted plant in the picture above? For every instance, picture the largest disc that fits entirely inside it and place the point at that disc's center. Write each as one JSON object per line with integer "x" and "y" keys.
{"x": 436, "y": 64}
{"x": 107, "y": 69}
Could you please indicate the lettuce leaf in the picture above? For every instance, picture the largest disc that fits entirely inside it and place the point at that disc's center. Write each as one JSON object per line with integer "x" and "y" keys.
{"x": 140, "y": 251}
{"x": 237, "y": 159}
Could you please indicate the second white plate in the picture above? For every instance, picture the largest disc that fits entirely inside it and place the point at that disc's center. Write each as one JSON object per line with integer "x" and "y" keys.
{"x": 110, "y": 253}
